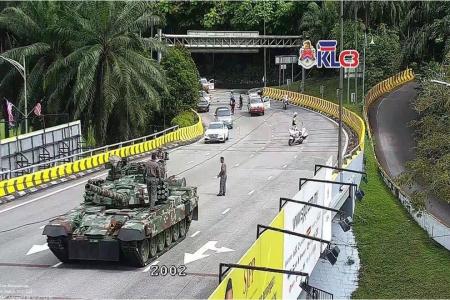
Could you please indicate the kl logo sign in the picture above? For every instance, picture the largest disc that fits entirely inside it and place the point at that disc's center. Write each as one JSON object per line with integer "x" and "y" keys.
{"x": 325, "y": 56}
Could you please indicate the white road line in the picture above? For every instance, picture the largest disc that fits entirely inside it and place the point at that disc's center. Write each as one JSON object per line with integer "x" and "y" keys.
{"x": 195, "y": 233}
{"x": 207, "y": 154}
{"x": 251, "y": 192}
{"x": 225, "y": 211}
{"x": 42, "y": 227}
{"x": 57, "y": 265}
{"x": 236, "y": 165}
{"x": 251, "y": 155}
{"x": 295, "y": 156}
{"x": 50, "y": 194}
{"x": 190, "y": 162}
{"x": 149, "y": 266}
{"x": 270, "y": 177}
{"x": 284, "y": 166}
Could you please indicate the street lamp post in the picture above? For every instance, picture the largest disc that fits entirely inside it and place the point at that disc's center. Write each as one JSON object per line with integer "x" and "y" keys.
{"x": 341, "y": 88}
{"x": 22, "y": 72}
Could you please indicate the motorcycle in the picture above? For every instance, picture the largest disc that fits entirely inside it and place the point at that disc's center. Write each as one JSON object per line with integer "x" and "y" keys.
{"x": 297, "y": 136}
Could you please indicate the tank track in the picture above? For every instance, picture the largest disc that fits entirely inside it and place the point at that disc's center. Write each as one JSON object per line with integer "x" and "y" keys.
{"x": 131, "y": 252}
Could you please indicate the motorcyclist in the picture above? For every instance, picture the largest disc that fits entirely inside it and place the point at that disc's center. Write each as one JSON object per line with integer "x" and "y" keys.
{"x": 285, "y": 101}
{"x": 294, "y": 120}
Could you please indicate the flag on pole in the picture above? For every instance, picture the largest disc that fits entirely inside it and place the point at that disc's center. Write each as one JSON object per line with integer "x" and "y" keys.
{"x": 38, "y": 109}
{"x": 9, "y": 113}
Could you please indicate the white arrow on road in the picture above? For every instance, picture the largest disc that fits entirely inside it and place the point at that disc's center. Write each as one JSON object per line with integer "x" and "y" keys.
{"x": 37, "y": 248}
{"x": 200, "y": 253}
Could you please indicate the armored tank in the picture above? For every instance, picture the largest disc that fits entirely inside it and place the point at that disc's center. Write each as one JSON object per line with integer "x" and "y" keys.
{"x": 117, "y": 221}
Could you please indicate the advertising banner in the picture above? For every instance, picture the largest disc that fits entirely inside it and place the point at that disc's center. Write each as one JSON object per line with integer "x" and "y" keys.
{"x": 267, "y": 251}
{"x": 281, "y": 251}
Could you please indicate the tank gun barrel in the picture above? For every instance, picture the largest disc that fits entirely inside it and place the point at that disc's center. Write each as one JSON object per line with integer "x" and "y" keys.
{"x": 106, "y": 193}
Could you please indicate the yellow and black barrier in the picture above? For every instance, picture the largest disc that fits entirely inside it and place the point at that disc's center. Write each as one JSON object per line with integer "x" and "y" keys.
{"x": 324, "y": 107}
{"x": 382, "y": 88}
{"x": 20, "y": 183}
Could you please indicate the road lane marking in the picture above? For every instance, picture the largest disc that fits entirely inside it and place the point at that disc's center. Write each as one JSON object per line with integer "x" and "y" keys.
{"x": 207, "y": 154}
{"x": 201, "y": 253}
{"x": 284, "y": 166}
{"x": 190, "y": 162}
{"x": 57, "y": 265}
{"x": 50, "y": 194}
{"x": 270, "y": 177}
{"x": 251, "y": 192}
{"x": 42, "y": 227}
{"x": 236, "y": 165}
{"x": 149, "y": 266}
{"x": 225, "y": 211}
{"x": 295, "y": 156}
{"x": 195, "y": 233}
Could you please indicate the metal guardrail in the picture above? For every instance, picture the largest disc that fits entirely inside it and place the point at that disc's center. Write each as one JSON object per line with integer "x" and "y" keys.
{"x": 8, "y": 174}
{"x": 97, "y": 157}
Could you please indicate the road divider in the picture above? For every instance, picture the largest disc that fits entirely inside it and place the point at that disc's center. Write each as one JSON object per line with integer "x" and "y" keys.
{"x": 12, "y": 187}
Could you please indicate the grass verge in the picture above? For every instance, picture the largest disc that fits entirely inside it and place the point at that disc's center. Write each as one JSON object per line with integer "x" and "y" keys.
{"x": 398, "y": 258}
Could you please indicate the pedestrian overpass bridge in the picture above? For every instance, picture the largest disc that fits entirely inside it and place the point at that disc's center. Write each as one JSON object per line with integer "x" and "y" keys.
{"x": 230, "y": 41}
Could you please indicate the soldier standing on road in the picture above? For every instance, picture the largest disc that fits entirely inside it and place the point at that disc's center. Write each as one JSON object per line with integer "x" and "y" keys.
{"x": 223, "y": 177}
{"x": 153, "y": 177}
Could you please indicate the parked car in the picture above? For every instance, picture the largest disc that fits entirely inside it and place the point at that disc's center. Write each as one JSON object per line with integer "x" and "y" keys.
{"x": 202, "y": 105}
{"x": 207, "y": 85}
{"x": 216, "y": 132}
{"x": 255, "y": 105}
{"x": 223, "y": 114}
{"x": 205, "y": 95}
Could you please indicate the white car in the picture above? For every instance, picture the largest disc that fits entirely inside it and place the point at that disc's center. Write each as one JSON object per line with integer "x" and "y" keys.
{"x": 205, "y": 96}
{"x": 216, "y": 132}
{"x": 207, "y": 85}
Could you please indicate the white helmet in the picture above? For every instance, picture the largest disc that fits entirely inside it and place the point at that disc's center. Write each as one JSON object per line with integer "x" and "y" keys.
{"x": 295, "y": 114}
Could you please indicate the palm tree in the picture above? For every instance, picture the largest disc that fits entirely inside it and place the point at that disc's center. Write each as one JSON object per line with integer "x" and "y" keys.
{"x": 31, "y": 27}
{"x": 108, "y": 78}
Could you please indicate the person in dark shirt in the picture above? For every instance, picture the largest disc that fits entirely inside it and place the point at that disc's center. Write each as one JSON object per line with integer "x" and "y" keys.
{"x": 223, "y": 177}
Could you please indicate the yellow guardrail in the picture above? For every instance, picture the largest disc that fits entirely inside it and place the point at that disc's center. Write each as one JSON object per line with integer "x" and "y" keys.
{"x": 27, "y": 181}
{"x": 382, "y": 88}
{"x": 324, "y": 107}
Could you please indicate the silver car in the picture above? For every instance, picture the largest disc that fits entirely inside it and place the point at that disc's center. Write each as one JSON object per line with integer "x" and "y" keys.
{"x": 223, "y": 114}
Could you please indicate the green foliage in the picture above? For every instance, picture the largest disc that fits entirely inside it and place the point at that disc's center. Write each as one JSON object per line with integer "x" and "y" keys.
{"x": 398, "y": 259}
{"x": 431, "y": 165}
{"x": 182, "y": 81}
{"x": 383, "y": 58}
{"x": 90, "y": 137}
{"x": 90, "y": 60}
{"x": 185, "y": 119}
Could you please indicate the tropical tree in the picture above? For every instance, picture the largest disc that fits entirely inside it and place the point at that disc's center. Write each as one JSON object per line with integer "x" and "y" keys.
{"x": 108, "y": 78}
{"x": 319, "y": 19}
{"x": 31, "y": 29}
{"x": 182, "y": 81}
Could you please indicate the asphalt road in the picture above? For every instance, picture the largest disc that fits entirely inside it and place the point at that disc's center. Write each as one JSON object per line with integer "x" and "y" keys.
{"x": 261, "y": 169}
{"x": 390, "y": 119}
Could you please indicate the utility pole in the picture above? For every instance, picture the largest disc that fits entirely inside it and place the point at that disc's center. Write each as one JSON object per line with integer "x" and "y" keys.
{"x": 25, "y": 94}
{"x": 265, "y": 71}
{"x": 356, "y": 48}
{"x": 160, "y": 39}
{"x": 302, "y": 87}
{"x": 341, "y": 87}
{"x": 364, "y": 67}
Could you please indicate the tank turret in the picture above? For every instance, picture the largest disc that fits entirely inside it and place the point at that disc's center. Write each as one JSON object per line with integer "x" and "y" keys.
{"x": 107, "y": 193}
